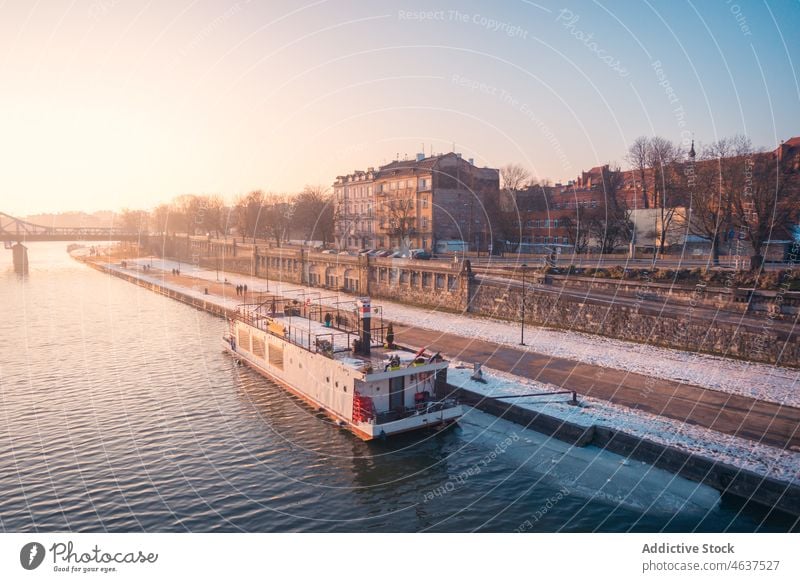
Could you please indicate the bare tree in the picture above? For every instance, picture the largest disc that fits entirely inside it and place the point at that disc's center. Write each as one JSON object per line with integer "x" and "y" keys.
{"x": 768, "y": 204}
{"x": 638, "y": 158}
{"x": 713, "y": 182}
{"x": 135, "y": 221}
{"x": 160, "y": 219}
{"x": 248, "y": 214}
{"x": 277, "y": 217}
{"x": 709, "y": 202}
{"x": 188, "y": 206}
{"x": 578, "y": 229}
{"x": 214, "y": 214}
{"x": 513, "y": 178}
{"x": 400, "y": 213}
{"x": 664, "y": 159}
{"x": 611, "y": 224}
{"x": 313, "y": 213}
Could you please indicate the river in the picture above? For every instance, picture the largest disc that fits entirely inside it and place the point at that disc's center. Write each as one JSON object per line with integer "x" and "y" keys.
{"x": 120, "y": 412}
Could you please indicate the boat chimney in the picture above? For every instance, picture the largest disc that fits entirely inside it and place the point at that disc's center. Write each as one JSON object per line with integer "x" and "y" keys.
{"x": 365, "y": 316}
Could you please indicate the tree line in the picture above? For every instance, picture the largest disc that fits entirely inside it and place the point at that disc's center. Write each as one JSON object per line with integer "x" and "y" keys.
{"x": 307, "y": 215}
{"x": 728, "y": 193}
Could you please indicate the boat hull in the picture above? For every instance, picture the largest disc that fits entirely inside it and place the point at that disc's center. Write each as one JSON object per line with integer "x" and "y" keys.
{"x": 364, "y": 430}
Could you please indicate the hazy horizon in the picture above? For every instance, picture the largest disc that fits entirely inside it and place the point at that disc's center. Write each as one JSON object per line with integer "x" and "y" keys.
{"x": 107, "y": 104}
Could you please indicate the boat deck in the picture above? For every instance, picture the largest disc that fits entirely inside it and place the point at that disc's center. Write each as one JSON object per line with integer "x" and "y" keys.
{"x": 331, "y": 341}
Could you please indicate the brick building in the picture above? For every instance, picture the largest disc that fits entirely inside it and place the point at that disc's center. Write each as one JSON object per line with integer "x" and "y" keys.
{"x": 549, "y": 215}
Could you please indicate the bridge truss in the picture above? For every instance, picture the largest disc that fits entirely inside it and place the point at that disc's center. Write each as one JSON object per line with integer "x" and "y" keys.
{"x": 15, "y": 229}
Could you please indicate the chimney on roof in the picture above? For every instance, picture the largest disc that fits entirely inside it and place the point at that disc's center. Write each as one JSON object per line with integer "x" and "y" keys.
{"x": 471, "y": 161}
{"x": 420, "y": 157}
{"x": 365, "y": 316}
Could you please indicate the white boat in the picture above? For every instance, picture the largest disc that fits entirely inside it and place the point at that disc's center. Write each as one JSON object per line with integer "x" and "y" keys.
{"x": 337, "y": 361}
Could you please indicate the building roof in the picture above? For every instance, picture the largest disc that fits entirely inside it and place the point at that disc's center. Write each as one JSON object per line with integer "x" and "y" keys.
{"x": 410, "y": 166}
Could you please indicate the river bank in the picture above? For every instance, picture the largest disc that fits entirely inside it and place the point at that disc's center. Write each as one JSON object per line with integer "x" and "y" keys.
{"x": 744, "y": 483}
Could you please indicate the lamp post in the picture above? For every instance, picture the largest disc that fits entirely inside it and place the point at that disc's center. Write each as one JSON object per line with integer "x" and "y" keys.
{"x": 522, "y": 319}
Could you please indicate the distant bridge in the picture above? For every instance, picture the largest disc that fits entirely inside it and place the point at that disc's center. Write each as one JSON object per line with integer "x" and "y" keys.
{"x": 17, "y": 230}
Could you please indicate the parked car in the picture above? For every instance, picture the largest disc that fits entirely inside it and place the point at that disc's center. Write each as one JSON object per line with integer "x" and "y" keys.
{"x": 420, "y": 254}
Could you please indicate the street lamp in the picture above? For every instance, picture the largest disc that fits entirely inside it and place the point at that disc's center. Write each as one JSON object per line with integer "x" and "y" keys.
{"x": 522, "y": 319}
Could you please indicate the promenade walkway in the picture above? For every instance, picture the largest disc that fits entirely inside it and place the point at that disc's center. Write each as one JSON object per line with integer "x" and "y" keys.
{"x": 766, "y": 422}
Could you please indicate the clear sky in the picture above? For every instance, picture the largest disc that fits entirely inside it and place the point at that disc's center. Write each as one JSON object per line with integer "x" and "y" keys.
{"x": 107, "y": 104}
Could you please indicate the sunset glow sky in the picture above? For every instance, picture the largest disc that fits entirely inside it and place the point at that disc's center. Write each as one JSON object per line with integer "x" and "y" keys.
{"x": 107, "y": 104}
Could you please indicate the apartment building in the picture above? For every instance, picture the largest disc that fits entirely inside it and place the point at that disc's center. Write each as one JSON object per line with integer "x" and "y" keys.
{"x": 354, "y": 210}
{"x": 415, "y": 203}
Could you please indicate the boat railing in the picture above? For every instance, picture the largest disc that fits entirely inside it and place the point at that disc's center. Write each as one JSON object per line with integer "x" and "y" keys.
{"x": 419, "y": 409}
{"x": 327, "y": 343}
{"x": 277, "y": 321}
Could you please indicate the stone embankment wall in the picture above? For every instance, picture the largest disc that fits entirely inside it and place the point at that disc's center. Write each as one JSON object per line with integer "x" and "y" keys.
{"x": 727, "y": 479}
{"x": 451, "y": 287}
{"x": 426, "y": 283}
{"x": 729, "y": 298}
{"x": 759, "y": 341}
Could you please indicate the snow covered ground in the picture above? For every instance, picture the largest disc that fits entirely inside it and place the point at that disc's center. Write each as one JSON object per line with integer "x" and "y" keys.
{"x": 729, "y": 376}
{"x": 732, "y": 450}
{"x": 761, "y": 381}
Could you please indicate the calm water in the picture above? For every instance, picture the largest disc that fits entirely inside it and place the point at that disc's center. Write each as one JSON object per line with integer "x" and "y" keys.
{"x": 119, "y": 412}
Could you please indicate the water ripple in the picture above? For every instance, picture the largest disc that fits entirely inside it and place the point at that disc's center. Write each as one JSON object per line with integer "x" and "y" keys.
{"x": 118, "y": 412}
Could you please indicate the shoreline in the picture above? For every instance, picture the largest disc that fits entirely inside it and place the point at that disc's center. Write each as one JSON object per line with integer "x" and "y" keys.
{"x": 741, "y": 483}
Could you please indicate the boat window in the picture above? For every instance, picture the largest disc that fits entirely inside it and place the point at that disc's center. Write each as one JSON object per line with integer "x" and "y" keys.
{"x": 258, "y": 347}
{"x": 276, "y": 356}
{"x": 244, "y": 339}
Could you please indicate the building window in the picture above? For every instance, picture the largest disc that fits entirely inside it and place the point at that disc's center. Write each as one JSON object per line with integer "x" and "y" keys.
{"x": 423, "y": 183}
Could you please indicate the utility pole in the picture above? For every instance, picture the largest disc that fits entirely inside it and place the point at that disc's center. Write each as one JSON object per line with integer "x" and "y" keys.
{"x": 522, "y": 319}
